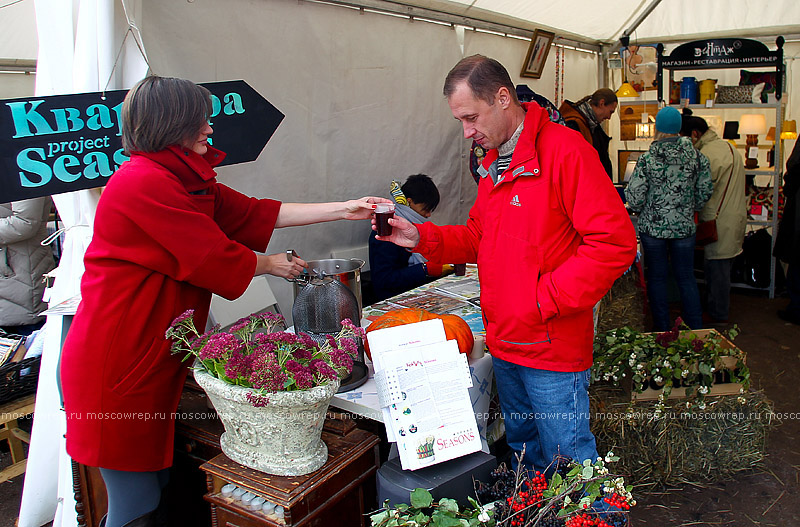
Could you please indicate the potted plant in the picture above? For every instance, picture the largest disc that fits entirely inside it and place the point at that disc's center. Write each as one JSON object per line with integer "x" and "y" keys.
{"x": 270, "y": 388}
{"x": 659, "y": 362}
{"x": 577, "y": 494}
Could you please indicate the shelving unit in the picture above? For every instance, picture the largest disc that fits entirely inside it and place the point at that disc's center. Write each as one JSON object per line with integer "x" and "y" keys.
{"x": 735, "y": 53}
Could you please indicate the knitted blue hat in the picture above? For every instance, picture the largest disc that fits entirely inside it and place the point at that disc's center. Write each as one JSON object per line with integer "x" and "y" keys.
{"x": 668, "y": 120}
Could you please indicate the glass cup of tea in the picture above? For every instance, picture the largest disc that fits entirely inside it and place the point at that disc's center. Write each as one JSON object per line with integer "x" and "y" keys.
{"x": 383, "y": 211}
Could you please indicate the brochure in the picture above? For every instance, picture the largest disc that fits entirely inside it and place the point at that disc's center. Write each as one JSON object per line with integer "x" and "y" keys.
{"x": 422, "y": 382}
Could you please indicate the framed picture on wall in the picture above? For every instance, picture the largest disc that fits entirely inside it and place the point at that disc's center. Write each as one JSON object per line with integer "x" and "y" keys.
{"x": 537, "y": 54}
{"x": 626, "y": 162}
{"x": 641, "y": 66}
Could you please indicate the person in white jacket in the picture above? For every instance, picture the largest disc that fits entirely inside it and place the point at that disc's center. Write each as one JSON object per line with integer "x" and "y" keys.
{"x": 23, "y": 263}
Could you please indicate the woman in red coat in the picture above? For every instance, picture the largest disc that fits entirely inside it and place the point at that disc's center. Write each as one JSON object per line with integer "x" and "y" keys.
{"x": 166, "y": 236}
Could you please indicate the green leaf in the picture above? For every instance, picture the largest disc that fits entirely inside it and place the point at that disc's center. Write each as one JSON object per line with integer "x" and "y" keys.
{"x": 421, "y": 518}
{"x": 444, "y": 519}
{"x": 377, "y": 519}
{"x": 421, "y": 498}
{"x": 557, "y": 480}
{"x": 588, "y": 472}
{"x": 449, "y": 505}
{"x": 593, "y": 488}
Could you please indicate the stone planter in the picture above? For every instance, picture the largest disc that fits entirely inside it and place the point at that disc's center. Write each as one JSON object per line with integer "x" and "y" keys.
{"x": 282, "y": 437}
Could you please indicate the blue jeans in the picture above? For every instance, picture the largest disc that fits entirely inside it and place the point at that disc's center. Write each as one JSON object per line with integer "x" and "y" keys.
{"x": 659, "y": 253}
{"x": 547, "y": 412}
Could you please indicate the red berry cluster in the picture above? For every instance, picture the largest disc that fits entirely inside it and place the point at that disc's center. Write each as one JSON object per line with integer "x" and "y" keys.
{"x": 615, "y": 500}
{"x": 585, "y": 520}
{"x": 532, "y": 495}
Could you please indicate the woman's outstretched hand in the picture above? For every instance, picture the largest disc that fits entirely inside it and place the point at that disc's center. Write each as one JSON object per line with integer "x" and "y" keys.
{"x": 404, "y": 233}
{"x": 362, "y": 209}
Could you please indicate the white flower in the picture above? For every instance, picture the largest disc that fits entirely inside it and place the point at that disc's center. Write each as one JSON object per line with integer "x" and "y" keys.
{"x": 702, "y": 406}
{"x": 666, "y": 364}
{"x": 483, "y": 517}
{"x": 703, "y": 390}
{"x": 640, "y": 366}
{"x": 658, "y": 378}
{"x": 741, "y": 400}
{"x": 713, "y": 369}
{"x": 609, "y": 456}
{"x": 684, "y": 373}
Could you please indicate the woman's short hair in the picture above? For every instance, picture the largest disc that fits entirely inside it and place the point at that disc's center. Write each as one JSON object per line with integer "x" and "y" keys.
{"x": 162, "y": 111}
{"x": 422, "y": 190}
{"x": 483, "y": 75}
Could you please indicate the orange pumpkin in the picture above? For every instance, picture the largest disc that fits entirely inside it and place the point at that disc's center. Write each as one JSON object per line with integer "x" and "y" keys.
{"x": 454, "y": 326}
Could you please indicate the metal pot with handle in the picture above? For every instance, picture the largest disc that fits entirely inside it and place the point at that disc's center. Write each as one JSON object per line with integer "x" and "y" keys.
{"x": 346, "y": 271}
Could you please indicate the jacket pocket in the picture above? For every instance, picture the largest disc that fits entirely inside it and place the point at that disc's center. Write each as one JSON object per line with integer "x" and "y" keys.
{"x": 137, "y": 370}
{"x": 5, "y": 269}
{"x": 511, "y": 298}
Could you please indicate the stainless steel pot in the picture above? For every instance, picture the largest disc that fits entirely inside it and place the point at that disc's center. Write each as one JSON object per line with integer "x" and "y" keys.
{"x": 348, "y": 272}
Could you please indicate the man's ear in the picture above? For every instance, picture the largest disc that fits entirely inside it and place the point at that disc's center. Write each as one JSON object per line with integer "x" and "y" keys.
{"x": 504, "y": 97}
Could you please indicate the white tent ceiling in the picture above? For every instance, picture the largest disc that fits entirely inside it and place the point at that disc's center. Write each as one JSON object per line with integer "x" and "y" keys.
{"x": 603, "y": 22}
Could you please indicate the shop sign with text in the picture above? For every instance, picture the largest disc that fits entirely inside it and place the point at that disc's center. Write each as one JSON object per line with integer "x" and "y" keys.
{"x": 63, "y": 143}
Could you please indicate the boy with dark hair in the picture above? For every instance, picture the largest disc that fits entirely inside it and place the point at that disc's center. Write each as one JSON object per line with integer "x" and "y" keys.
{"x": 393, "y": 269}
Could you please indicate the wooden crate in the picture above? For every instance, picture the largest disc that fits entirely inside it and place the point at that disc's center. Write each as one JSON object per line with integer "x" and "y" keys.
{"x": 725, "y": 366}
{"x": 339, "y": 494}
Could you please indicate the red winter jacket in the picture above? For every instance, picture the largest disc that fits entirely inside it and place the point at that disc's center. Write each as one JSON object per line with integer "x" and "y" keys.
{"x": 166, "y": 236}
{"x": 549, "y": 239}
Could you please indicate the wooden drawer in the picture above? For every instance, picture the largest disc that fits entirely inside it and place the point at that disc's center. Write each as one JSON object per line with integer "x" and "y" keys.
{"x": 338, "y": 494}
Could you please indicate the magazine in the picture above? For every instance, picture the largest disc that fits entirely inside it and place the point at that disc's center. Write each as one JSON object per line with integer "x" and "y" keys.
{"x": 422, "y": 382}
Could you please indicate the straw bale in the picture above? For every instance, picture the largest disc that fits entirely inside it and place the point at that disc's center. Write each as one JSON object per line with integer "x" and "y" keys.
{"x": 681, "y": 445}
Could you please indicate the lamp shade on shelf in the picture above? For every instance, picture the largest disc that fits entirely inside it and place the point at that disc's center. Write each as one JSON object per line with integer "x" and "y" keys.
{"x": 752, "y": 124}
{"x": 626, "y": 90}
{"x": 789, "y": 130}
{"x": 770, "y": 134}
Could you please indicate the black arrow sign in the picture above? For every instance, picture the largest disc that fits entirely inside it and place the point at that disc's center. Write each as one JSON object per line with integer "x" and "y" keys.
{"x": 62, "y": 143}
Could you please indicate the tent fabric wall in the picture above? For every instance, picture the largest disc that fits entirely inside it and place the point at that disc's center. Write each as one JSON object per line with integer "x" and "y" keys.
{"x": 78, "y": 44}
{"x": 362, "y": 94}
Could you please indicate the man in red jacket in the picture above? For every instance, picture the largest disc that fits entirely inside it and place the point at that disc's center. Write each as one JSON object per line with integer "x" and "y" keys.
{"x": 550, "y": 235}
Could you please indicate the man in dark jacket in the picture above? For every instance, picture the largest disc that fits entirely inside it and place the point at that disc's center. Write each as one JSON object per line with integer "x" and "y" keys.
{"x": 587, "y": 115}
{"x": 787, "y": 242}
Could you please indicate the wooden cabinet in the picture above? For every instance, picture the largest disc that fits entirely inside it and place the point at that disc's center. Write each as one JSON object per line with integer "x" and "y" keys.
{"x": 345, "y": 486}
{"x": 341, "y": 493}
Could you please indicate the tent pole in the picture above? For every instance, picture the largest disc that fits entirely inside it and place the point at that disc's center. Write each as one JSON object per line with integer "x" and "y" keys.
{"x": 636, "y": 23}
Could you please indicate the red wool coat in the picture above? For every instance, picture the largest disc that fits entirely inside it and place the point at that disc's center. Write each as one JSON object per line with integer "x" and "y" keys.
{"x": 166, "y": 236}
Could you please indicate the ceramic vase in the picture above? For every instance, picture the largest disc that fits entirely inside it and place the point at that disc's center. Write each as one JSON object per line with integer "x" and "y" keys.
{"x": 283, "y": 437}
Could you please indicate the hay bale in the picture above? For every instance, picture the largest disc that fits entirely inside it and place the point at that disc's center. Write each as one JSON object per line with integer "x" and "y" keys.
{"x": 624, "y": 304}
{"x": 682, "y": 445}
